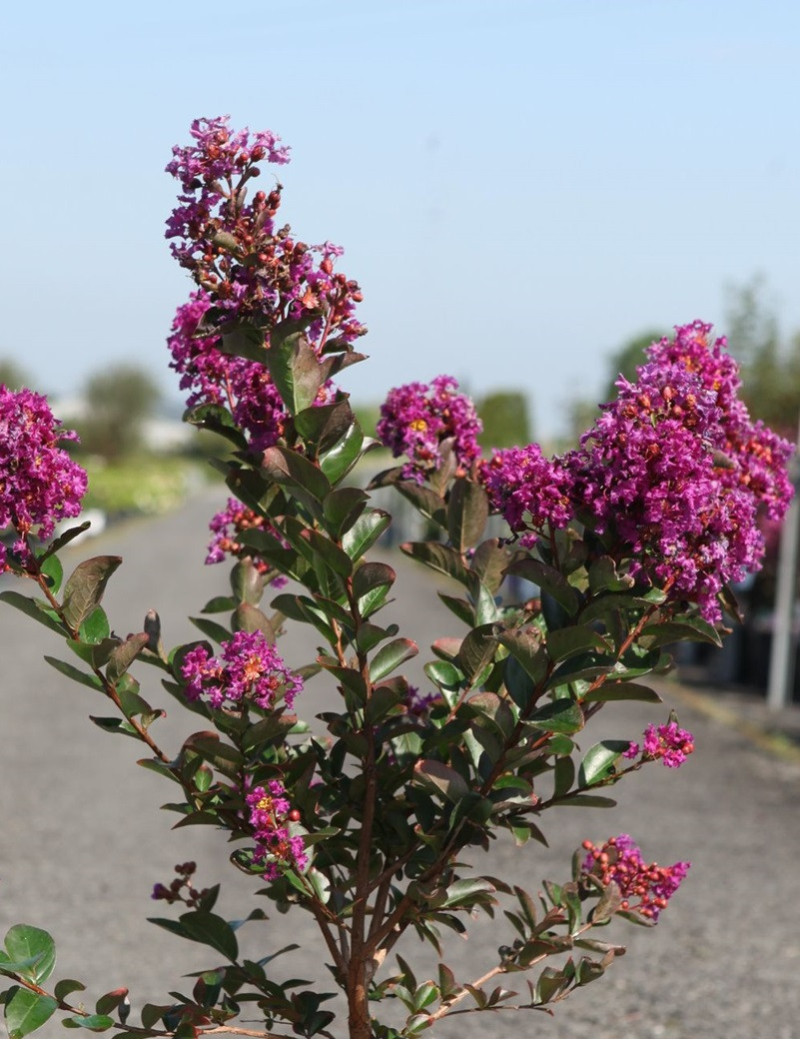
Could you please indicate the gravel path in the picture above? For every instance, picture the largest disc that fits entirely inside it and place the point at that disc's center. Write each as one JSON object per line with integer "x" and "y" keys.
{"x": 83, "y": 839}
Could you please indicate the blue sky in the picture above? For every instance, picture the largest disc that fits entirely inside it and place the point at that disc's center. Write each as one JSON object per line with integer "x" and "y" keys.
{"x": 519, "y": 186}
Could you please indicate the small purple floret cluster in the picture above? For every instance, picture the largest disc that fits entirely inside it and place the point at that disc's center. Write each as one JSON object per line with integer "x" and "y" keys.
{"x": 39, "y": 482}
{"x": 418, "y": 420}
{"x": 646, "y": 888}
{"x": 529, "y": 490}
{"x": 276, "y": 848}
{"x": 249, "y": 669}
{"x": 669, "y": 743}
{"x": 226, "y": 528}
{"x": 247, "y": 270}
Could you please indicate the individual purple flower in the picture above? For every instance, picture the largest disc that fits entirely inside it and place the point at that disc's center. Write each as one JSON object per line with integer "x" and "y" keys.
{"x": 529, "y": 490}
{"x": 646, "y": 888}
{"x": 248, "y": 669}
{"x": 270, "y": 815}
{"x": 39, "y": 482}
{"x": 416, "y": 419}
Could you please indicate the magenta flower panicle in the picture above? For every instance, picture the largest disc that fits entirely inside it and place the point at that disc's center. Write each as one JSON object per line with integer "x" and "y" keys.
{"x": 270, "y": 817}
{"x": 249, "y": 669}
{"x": 39, "y": 483}
{"x": 530, "y": 491}
{"x": 680, "y": 474}
{"x": 669, "y": 743}
{"x": 417, "y": 419}
{"x": 645, "y": 888}
{"x": 249, "y": 271}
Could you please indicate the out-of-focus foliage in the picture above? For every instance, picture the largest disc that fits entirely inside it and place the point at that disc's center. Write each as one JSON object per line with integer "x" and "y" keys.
{"x": 770, "y": 365}
{"x": 505, "y": 419}
{"x": 118, "y": 401}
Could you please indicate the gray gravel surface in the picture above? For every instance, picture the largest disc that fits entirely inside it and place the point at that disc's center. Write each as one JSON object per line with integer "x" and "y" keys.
{"x": 83, "y": 839}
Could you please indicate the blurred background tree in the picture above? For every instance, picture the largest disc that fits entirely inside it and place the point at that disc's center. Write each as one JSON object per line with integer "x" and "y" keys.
{"x": 770, "y": 366}
{"x": 505, "y": 418}
{"x": 118, "y": 402}
{"x": 13, "y": 376}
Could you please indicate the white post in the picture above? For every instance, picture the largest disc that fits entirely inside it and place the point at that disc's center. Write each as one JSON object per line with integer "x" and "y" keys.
{"x": 784, "y": 643}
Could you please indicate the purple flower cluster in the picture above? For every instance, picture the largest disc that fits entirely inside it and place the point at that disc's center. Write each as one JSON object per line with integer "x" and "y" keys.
{"x": 670, "y": 743}
{"x": 249, "y": 669}
{"x": 416, "y": 419}
{"x": 645, "y": 888}
{"x": 246, "y": 270}
{"x": 39, "y": 482}
{"x": 529, "y": 490}
{"x": 227, "y": 525}
{"x": 678, "y": 471}
{"x": 270, "y": 814}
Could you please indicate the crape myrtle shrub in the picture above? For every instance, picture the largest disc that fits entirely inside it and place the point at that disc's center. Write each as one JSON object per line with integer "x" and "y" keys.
{"x": 364, "y": 816}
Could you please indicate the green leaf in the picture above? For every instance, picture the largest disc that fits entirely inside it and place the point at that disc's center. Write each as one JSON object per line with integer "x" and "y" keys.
{"x": 114, "y": 725}
{"x": 27, "y": 1011}
{"x": 466, "y": 891}
{"x": 599, "y": 760}
{"x": 322, "y": 426}
{"x": 622, "y": 691}
{"x": 467, "y": 513}
{"x": 444, "y": 674}
{"x": 370, "y": 635}
{"x": 247, "y": 618}
{"x": 372, "y": 575}
{"x": 603, "y": 577}
{"x": 294, "y": 367}
{"x": 391, "y": 656}
{"x": 218, "y": 419}
{"x": 204, "y": 927}
{"x": 23, "y": 941}
{"x": 559, "y": 716}
{"x": 85, "y": 587}
{"x": 441, "y": 777}
{"x": 460, "y": 607}
{"x": 97, "y": 1023}
{"x": 219, "y": 605}
{"x": 39, "y": 611}
{"x": 363, "y": 534}
{"x": 241, "y": 339}
{"x": 63, "y": 539}
{"x": 342, "y": 507}
{"x": 663, "y": 633}
{"x": 477, "y": 651}
{"x": 330, "y": 553}
{"x": 525, "y": 646}
{"x": 549, "y": 580}
{"x": 110, "y": 1001}
{"x": 247, "y": 582}
{"x": 95, "y": 627}
{"x": 123, "y": 656}
{"x": 64, "y": 987}
{"x": 52, "y": 570}
{"x": 594, "y": 801}
{"x": 74, "y": 673}
{"x": 341, "y": 458}
{"x": 574, "y": 639}
{"x": 212, "y": 629}
{"x": 439, "y": 558}
{"x": 290, "y": 469}
{"x": 489, "y": 562}
{"x": 426, "y": 501}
